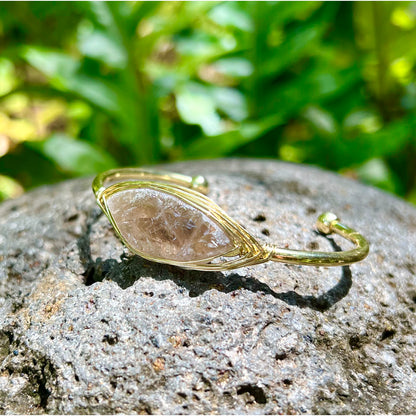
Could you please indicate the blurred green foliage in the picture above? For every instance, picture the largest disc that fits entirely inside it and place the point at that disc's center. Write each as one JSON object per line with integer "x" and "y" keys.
{"x": 86, "y": 86}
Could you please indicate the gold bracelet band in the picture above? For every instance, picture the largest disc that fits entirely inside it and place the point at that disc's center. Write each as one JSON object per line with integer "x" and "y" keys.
{"x": 166, "y": 217}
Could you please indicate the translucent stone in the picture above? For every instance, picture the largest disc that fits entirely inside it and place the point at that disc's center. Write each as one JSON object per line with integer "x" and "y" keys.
{"x": 163, "y": 226}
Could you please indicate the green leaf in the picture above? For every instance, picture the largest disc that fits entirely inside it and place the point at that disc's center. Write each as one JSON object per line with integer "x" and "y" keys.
{"x": 288, "y": 11}
{"x": 297, "y": 44}
{"x": 411, "y": 196}
{"x": 376, "y": 172}
{"x": 75, "y": 156}
{"x": 199, "y": 45}
{"x": 141, "y": 9}
{"x": 234, "y": 67}
{"x": 54, "y": 64}
{"x": 313, "y": 86}
{"x": 102, "y": 14}
{"x": 362, "y": 121}
{"x": 7, "y": 76}
{"x": 9, "y": 188}
{"x": 64, "y": 73}
{"x": 196, "y": 106}
{"x": 100, "y": 45}
{"x": 231, "y": 15}
{"x": 231, "y": 102}
{"x": 29, "y": 167}
{"x": 322, "y": 121}
{"x": 100, "y": 93}
{"x": 223, "y": 144}
{"x": 386, "y": 141}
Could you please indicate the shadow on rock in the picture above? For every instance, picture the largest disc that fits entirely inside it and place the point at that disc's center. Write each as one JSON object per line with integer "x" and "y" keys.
{"x": 131, "y": 268}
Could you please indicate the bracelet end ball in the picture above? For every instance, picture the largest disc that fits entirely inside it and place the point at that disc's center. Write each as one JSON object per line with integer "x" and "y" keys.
{"x": 325, "y": 222}
{"x": 200, "y": 184}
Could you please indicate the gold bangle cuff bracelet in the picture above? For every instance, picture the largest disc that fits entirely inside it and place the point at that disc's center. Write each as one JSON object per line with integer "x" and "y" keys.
{"x": 166, "y": 217}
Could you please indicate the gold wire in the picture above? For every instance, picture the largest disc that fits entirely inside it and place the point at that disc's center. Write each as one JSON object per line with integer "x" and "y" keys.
{"x": 247, "y": 250}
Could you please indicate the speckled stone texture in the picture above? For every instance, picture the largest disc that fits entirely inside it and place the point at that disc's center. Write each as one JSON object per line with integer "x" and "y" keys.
{"x": 87, "y": 328}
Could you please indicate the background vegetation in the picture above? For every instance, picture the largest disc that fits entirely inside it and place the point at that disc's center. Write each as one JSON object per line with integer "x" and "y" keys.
{"x": 87, "y": 86}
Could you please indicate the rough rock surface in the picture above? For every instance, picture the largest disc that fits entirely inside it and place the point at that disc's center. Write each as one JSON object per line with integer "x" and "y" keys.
{"x": 87, "y": 328}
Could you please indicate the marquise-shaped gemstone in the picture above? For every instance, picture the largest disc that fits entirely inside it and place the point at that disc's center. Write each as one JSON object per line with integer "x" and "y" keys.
{"x": 163, "y": 226}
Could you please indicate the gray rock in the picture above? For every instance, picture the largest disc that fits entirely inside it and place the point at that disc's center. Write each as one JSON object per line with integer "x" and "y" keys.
{"x": 87, "y": 328}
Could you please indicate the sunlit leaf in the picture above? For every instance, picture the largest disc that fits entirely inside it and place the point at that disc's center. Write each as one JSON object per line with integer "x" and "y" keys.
{"x": 196, "y": 106}
{"x": 234, "y": 67}
{"x": 75, "y": 156}
{"x": 9, "y": 188}
{"x": 223, "y": 144}
{"x": 328, "y": 83}
{"x": 101, "y": 13}
{"x": 322, "y": 121}
{"x": 230, "y": 14}
{"x": 404, "y": 18}
{"x": 231, "y": 102}
{"x": 361, "y": 121}
{"x": 200, "y": 45}
{"x": 56, "y": 65}
{"x": 376, "y": 172}
{"x": 100, "y": 45}
{"x": 65, "y": 75}
{"x": 8, "y": 79}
